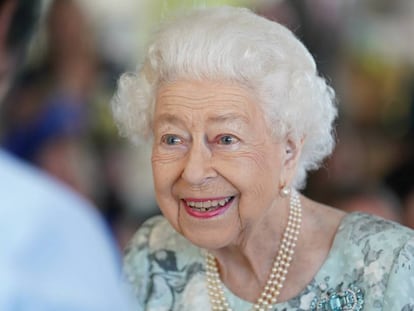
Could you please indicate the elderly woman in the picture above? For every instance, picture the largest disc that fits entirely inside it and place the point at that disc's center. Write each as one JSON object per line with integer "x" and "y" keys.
{"x": 237, "y": 115}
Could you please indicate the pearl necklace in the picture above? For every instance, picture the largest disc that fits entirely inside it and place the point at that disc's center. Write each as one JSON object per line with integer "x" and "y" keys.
{"x": 274, "y": 284}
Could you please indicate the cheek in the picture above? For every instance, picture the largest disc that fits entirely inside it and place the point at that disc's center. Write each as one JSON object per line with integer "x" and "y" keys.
{"x": 249, "y": 166}
{"x": 255, "y": 175}
{"x": 165, "y": 174}
{"x": 165, "y": 170}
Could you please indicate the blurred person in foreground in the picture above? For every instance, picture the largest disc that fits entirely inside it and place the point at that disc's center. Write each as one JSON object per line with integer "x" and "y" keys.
{"x": 55, "y": 251}
{"x": 237, "y": 115}
{"x": 46, "y": 120}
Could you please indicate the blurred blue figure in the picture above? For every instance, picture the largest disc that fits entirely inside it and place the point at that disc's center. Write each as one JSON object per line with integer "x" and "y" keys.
{"x": 55, "y": 251}
{"x": 59, "y": 118}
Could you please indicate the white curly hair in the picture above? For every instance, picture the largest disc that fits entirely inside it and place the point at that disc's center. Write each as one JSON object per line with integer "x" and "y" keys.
{"x": 234, "y": 44}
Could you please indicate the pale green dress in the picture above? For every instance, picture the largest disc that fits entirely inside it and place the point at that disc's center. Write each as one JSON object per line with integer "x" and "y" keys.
{"x": 369, "y": 267}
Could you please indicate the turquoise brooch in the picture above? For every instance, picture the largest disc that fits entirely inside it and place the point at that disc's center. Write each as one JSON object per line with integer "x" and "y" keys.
{"x": 349, "y": 299}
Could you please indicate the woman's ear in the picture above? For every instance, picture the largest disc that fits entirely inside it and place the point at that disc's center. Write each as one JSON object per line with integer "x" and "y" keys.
{"x": 292, "y": 151}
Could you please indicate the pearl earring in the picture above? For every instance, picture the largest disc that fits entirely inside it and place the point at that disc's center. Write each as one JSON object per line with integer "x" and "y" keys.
{"x": 285, "y": 191}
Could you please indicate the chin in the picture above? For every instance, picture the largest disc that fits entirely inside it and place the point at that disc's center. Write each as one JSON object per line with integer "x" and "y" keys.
{"x": 212, "y": 232}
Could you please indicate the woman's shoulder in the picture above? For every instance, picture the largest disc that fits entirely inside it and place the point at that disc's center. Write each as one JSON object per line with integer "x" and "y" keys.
{"x": 144, "y": 236}
{"x": 159, "y": 263}
{"x": 157, "y": 238}
{"x": 358, "y": 228}
{"x": 384, "y": 252}
{"x": 366, "y": 238}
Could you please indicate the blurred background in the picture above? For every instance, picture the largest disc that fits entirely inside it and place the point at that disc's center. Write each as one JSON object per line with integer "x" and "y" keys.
{"x": 58, "y": 115}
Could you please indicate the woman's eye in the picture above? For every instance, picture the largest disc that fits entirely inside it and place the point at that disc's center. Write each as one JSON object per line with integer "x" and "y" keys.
{"x": 171, "y": 139}
{"x": 227, "y": 140}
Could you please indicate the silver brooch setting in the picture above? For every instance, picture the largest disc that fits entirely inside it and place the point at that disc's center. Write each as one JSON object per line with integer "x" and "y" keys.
{"x": 348, "y": 299}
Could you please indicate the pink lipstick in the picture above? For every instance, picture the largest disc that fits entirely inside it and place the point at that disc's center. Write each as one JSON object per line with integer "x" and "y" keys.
{"x": 207, "y": 208}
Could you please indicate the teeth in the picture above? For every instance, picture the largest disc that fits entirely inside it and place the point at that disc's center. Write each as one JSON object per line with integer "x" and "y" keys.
{"x": 205, "y": 206}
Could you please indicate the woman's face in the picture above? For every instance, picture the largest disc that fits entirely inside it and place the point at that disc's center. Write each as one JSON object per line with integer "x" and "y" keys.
{"x": 217, "y": 170}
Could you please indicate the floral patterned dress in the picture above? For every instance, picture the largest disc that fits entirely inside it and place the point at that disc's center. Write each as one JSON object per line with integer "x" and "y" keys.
{"x": 369, "y": 267}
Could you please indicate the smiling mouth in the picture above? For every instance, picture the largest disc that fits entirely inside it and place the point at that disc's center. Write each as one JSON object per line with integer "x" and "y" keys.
{"x": 208, "y": 205}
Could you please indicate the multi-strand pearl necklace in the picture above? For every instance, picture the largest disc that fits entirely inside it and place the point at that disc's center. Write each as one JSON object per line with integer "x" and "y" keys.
{"x": 274, "y": 284}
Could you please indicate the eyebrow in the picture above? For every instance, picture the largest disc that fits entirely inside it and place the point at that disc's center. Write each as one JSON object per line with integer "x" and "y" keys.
{"x": 168, "y": 118}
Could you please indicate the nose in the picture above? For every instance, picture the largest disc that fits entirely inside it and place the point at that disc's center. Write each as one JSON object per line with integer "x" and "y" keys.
{"x": 198, "y": 165}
